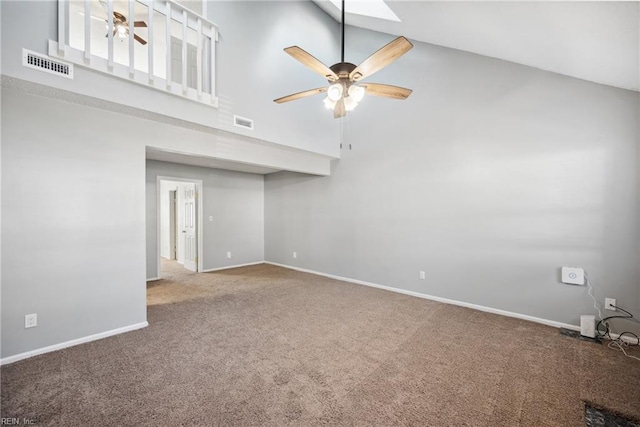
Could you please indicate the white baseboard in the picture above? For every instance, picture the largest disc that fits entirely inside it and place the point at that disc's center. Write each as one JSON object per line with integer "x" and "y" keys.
{"x": 21, "y": 356}
{"x": 153, "y": 279}
{"x": 231, "y": 266}
{"x": 71, "y": 343}
{"x": 438, "y": 299}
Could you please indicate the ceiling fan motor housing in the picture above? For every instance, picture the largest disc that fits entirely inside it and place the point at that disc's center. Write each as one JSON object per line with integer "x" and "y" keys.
{"x": 343, "y": 69}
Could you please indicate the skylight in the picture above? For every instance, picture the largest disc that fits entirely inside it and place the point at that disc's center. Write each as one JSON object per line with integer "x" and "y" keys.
{"x": 372, "y": 8}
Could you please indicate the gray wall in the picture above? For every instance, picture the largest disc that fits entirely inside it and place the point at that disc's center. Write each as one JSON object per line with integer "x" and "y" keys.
{"x": 489, "y": 178}
{"x": 254, "y": 70}
{"x": 73, "y": 225}
{"x": 235, "y": 200}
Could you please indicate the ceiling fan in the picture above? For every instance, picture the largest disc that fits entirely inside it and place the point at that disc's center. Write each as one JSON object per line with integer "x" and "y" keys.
{"x": 344, "y": 90}
{"x": 121, "y": 26}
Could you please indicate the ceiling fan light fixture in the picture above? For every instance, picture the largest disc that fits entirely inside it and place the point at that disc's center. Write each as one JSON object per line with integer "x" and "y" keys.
{"x": 122, "y": 30}
{"x": 350, "y": 103}
{"x": 356, "y": 92}
{"x": 329, "y": 104}
{"x": 334, "y": 92}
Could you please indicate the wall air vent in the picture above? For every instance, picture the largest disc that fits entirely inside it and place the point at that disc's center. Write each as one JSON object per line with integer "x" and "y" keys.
{"x": 44, "y": 63}
{"x": 243, "y": 122}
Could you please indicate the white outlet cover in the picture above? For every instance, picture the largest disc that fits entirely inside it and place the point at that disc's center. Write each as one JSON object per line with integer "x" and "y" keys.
{"x": 573, "y": 275}
{"x": 229, "y": 255}
{"x": 295, "y": 254}
{"x": 30, "y": 320}
{"x": 609, "y": 304}
{"x": 422, "y": 275}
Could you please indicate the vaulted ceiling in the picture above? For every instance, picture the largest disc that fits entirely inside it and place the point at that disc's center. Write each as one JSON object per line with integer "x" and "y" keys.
{"x": 598, "y": 41}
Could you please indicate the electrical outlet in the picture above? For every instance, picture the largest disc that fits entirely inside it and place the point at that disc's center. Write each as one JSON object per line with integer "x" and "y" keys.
{"x": 229, "y": 255}
{"x": 295, "y": 254}
{"x": 30, "y": 321}
{"x": 423, "y": 275}
{"x": 609, "y": 304}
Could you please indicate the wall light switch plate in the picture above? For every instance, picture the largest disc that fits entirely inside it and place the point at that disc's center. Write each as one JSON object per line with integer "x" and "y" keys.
{"x": 422, "y": 275}
{"x": 573, "y": 275}
{"x": 295, "y": 254}
{"x": 229, "y": 255}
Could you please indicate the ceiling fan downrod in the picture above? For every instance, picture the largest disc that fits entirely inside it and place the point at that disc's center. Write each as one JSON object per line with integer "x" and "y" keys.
{"x": 342, "y": 56}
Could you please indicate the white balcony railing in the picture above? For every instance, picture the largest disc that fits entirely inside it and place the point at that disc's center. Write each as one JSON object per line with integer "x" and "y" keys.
{"x": 157, "y": 43}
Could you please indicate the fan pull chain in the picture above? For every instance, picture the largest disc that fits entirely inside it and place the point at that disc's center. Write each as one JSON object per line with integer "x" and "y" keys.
{"x": 342, "y": 135}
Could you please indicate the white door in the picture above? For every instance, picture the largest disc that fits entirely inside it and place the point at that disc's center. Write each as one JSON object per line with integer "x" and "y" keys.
{"x": 189, "y": 229}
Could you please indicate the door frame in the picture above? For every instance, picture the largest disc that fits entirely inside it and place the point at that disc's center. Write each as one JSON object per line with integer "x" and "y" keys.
{"x": 199, "y": 221}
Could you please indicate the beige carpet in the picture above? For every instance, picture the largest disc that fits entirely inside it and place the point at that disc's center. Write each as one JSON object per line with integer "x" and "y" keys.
{"x": 264, "y": 345}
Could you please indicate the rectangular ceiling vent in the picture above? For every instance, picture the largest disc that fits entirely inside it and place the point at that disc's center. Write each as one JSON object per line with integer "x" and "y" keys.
{"x": 243, "y": 122}
{"x": 44, "y": 63}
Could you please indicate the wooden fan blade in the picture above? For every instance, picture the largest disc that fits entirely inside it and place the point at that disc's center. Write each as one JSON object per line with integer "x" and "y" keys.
{"x": 139, "y": 24}
{"x": 299, "y": 95}
{"x": 381, "y": 58}
{"x": 139, "y": 39}
{"x": 339, "y": 110}
{"x": 118, "y": 17}
{"x": 311, "y": 62}
{"x": 386, "y": 91}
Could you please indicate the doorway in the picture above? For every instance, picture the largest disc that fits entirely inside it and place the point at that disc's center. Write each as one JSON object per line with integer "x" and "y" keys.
{"x": 179, "y": 236}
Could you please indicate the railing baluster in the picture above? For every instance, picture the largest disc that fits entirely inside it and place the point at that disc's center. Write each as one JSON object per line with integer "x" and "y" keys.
{"x": 87, "y": 30}
{"x": 62, "y": 20}
{"x": 168, "y": 31}
{"x": 199, "y": 60}
{"x": 212, "y": 71}
{"x": 131, "y": 38}
{"x": 184, "y": 50}
{"x": 150, "y": 40}
{"x": 110, "y": 32}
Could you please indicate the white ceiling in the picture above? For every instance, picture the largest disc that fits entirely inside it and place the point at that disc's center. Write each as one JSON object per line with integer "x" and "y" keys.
{"x": 598, "y": 41}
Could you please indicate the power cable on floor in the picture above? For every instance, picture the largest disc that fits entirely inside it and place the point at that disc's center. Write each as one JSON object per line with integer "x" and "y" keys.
{"x": 617, "y": 343}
